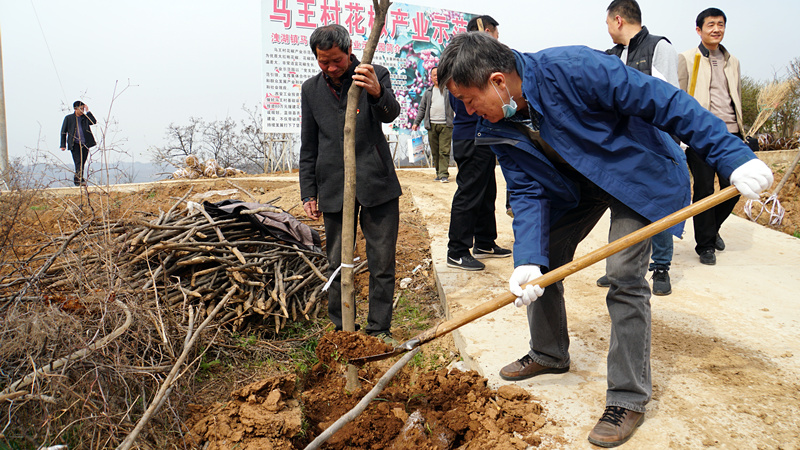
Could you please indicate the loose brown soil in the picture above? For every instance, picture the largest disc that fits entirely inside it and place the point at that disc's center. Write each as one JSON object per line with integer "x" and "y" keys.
{"x": 420, "y": 409}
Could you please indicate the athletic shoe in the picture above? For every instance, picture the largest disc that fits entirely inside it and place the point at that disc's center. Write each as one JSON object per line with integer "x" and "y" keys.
{"x": 445, "y": 180}
{"x": 437, "y": 179}
{"x": 661, "y": 284}
{"x": 466, "y": 262}
{"x": 494, "y": 252}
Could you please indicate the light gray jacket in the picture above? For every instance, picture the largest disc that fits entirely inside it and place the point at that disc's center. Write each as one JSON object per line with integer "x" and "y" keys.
{"x": 424, "y": 111}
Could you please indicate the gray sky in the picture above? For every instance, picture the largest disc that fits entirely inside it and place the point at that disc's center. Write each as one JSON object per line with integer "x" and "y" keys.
{"x": 201, "y": 58}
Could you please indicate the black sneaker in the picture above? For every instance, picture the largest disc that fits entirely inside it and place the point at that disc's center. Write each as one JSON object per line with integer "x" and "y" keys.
{"x": 603, "y": 281}
{"x": 708, "y": 257}
{"x": 719, "y": 244}
{"x": 437, "y": 178}
{"x": 661, "y": 285}
{"x": 466, "y": 262}
{"x": 445, "y": 180}
{"x": 494, "y": 252}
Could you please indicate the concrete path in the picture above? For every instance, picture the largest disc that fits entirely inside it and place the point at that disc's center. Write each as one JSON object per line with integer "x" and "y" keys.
{"x": 726, "y": 342}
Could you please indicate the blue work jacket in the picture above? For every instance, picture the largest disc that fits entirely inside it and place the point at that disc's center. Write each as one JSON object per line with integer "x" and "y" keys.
{"x": 610, "y": 123}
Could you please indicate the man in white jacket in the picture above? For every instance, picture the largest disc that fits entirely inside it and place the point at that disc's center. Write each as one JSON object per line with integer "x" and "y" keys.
{"x": 718, "y": 89}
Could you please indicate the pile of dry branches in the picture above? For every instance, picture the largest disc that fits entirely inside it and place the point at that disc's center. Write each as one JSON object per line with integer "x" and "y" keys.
{"x": 100, "y": 327}
{"x": 186, "y": 257}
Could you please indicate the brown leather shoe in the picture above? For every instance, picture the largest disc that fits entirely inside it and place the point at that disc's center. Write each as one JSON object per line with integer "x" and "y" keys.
{"x": 525, "y": 368}
{"x": 615, "y": 427}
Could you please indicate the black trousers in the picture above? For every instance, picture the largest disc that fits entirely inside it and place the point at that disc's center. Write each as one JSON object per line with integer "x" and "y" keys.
{"x": 379, "y": 225}
{"x": 472, "y": 218}
{"x": 80, "y": 153}
{"x": 707, "y": 223}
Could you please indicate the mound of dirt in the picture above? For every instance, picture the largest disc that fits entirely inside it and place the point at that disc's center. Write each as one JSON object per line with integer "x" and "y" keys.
{"x": 342, "y": 346}
{"x": 262, "y": 415}
{"x": 420, "y": 409}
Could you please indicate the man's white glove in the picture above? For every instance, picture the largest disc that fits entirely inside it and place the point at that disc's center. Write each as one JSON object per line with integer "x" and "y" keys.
{"x": 751, "y": 178}
{"x": 524, "y": 274}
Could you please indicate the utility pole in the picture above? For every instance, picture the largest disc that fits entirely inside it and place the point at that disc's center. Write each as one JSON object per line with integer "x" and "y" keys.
{"x": 4, "y": 172}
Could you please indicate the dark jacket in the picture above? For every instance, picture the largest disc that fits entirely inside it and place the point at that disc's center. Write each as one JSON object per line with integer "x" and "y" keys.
{"x": 424, "y": 110}
{"x": 322, "y": 143}
{"x": 464, "y": 123}
{"x": 69, "y": 130}
{"x": 604, "y": 119}
{"x": 641, "y": 49}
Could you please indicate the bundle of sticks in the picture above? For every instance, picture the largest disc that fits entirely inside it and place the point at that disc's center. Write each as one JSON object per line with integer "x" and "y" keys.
{"x": 186, "y": 257}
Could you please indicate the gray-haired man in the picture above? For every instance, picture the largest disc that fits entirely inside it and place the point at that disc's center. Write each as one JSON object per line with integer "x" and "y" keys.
{"x": 577, "y": 132}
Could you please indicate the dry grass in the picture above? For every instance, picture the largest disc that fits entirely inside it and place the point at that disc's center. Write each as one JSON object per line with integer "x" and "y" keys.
{"x": 770, "y": 98}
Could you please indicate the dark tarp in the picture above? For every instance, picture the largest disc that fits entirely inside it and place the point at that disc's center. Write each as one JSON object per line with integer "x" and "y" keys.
{"x": 280, "y": 225}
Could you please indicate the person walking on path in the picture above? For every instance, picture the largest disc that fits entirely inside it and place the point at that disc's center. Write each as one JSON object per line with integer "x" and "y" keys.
{"x": 576, "y": 132}
{"x": 76, "y": 135}
{"x": 472, "y": 221}
{"x": 718, "y": 89}
{"x": 436, "y": 114}
{"x": 324, "y": 102}
{"x": 653, "y": 55}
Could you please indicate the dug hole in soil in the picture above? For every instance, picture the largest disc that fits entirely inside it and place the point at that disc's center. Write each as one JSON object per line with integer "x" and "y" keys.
{"x": 419, "y": 409}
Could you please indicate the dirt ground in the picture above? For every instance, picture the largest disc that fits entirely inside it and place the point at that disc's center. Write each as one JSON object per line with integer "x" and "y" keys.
{"x": 426, "y": 405}
{"x": 493, "y": 416}
{"x": 740, "y": 386}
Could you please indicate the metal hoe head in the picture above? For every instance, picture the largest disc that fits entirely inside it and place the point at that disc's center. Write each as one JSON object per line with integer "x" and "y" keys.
{"x": 406, "y": 346}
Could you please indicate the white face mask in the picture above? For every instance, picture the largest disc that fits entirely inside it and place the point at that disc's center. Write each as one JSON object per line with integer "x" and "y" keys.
{"x": 510, "y": 108}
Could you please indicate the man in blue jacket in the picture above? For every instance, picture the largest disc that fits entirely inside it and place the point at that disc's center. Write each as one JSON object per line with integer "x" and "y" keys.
{"x": 576, "y": 132}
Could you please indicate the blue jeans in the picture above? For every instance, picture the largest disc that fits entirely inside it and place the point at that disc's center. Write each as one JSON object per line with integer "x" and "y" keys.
{"x": 662, "y": 251}
{"x": 628, "y": 300}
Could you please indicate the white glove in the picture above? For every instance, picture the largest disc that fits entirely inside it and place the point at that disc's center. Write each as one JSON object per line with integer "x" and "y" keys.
{"x": 751, "y": 178}
{"x": 524, "y": 274}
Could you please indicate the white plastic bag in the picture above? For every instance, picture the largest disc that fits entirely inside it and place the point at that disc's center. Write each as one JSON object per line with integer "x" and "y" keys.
{"x": 416, "y": 148}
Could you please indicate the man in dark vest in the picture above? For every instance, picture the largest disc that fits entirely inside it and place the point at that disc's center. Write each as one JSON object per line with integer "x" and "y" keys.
{"x": 473, "y": 225}
{"x": 653, "y": 55}
{"x": 324, "y": 102}
{"x": 77, "y": 136}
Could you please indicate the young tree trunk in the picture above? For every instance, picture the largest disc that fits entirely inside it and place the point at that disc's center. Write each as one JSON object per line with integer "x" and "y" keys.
{"x": 349, "y": 201}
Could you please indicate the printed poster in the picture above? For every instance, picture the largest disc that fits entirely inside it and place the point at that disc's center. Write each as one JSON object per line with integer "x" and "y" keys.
{"x": 411, "y": 42}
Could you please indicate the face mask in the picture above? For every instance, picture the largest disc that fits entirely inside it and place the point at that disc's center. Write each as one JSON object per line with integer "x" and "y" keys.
{"x": 510, "y": 108}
